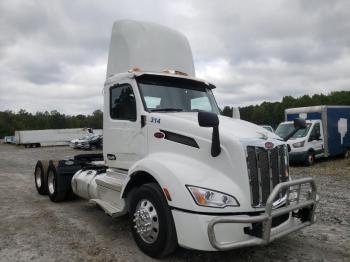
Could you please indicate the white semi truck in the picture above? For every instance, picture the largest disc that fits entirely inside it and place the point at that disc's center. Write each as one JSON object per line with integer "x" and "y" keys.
{"x": 184, "y": 174}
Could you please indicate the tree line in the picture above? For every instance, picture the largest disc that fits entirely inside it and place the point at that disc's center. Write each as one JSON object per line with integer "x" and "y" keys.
{"x": 23, "y": 120}
{"x": 272, "y": 113}
{"x": 267, "y": 113}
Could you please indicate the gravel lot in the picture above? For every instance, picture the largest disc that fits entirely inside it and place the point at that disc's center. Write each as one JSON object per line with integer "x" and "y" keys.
{"x": 33, "y": 228}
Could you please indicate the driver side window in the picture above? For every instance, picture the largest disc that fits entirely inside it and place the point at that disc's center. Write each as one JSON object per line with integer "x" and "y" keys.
{"x": 315, "y": 133}
{"x": 122, "y": 103}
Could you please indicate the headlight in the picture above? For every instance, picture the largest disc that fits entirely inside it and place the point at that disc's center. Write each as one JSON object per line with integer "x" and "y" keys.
{"x": 211, "y": 198}
{"x": 299, "y": 144}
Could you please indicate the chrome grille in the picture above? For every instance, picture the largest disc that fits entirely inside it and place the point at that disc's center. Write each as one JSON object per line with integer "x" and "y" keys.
{"x": 266, "y": 168}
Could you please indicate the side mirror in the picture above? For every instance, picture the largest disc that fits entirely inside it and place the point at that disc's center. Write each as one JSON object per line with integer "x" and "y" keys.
{"x": 299, "y": 123}
{"x": 207, "y": 119}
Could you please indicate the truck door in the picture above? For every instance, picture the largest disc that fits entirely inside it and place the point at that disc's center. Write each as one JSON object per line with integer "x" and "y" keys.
{"x": 316, "y": 139}
{"x": 124, "y": 138}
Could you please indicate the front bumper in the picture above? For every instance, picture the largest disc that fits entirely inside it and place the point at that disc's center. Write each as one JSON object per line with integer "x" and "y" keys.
{"x": 224, "y": 231}
{"x": 297, "y": 156}
{"x": 265, "y": 233}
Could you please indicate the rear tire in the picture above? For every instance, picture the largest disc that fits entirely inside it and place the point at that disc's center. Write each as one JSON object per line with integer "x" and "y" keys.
{"x": 40, "y": 176}
{"x": 56, "y": 185}
{"x": 148, "y": 205}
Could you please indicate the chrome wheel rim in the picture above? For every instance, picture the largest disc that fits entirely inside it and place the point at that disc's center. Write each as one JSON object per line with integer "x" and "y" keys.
{"x": 146, "y": 221}
{"x": 38, "y": 177}
{"x": 311, "y": 159}
{"x": 51, "y": 182}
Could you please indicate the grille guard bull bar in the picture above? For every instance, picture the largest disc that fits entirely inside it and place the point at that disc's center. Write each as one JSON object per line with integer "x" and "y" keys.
{"x": 266, "y": 217}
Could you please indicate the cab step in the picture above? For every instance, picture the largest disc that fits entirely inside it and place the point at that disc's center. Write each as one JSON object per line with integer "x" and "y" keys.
{"x": 111, "y": 210}
{"x": 109, "y": 182}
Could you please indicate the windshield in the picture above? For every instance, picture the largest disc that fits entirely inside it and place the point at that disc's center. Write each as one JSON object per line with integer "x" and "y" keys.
{"x": 166, "y": 94}
{"x": 268, "y": 128}
{"x": 284, "y": 129}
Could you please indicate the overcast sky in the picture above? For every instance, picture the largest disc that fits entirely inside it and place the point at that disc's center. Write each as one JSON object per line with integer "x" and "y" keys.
{"x": 53, "y": 54}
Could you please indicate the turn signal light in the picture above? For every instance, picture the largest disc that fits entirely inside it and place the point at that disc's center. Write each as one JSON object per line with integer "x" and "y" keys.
{"x": 167, "y": 194}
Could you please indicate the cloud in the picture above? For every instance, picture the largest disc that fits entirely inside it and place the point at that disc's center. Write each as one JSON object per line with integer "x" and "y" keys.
{"x": 53, "y": 54}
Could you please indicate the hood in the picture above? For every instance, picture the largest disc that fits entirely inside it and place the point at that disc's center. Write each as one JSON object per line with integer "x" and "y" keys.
{"x": 295, "y": 140}
{"x": 230, "y": 129}
{"x": 237, "y": 128}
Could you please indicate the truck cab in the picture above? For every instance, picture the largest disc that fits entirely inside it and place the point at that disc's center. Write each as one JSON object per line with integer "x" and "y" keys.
{"x": 184, "y": 174}
{"x": 307, "y": 144}
{"x": 327, "y": 133}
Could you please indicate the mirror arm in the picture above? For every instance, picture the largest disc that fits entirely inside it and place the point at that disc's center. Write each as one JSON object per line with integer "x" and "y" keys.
{"x": 286, "y": 138}
{"x": 215, "y": 144}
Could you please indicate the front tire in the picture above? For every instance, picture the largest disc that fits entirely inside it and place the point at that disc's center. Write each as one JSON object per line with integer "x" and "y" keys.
{"x": 310, "y": 159}
{"x": 151, "y": 221}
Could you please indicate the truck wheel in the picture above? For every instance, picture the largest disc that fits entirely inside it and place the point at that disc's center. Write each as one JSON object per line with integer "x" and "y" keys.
{"x": 55, "y": 185}
{"x": 40, "y": 176}
{"x": 151, "y": 221}
{"x": 310, "y": 159}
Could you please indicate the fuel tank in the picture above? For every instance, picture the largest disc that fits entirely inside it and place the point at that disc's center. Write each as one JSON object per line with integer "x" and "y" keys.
{"x": 84, "y": 183}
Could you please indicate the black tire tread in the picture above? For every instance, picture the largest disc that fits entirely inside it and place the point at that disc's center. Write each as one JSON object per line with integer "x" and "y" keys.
{"x": 59, "y": 195}
{"x": 307, "y": 163}
{"x": 43, "y": 166}
{"x": 167, "y": 245}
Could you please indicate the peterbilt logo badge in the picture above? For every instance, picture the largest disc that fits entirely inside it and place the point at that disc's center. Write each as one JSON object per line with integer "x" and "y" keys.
{"x": 269, "y": 145}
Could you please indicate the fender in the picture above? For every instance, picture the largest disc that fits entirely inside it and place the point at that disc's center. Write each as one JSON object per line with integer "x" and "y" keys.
{"x": 174, "y": 172}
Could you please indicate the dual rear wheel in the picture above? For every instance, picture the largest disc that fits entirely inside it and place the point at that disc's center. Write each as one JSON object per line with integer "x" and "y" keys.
{"x": 57, "y": 185}
{"x": 40, "y": 176}
{"x": 150, "y": 218}
{"x": 49, "y": 182}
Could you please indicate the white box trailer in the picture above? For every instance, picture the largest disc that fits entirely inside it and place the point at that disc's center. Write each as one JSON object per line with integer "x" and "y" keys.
{"x": 48, "y": 137}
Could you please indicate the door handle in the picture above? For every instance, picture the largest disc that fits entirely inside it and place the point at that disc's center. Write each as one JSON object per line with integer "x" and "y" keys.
{"x": 143, "y": 120}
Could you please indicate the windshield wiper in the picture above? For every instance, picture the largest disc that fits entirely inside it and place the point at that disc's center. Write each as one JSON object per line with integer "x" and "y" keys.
{"x": 167, "y": 110}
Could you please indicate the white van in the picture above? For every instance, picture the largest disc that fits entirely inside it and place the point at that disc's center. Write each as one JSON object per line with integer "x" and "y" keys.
{"x": 327, "y": 133}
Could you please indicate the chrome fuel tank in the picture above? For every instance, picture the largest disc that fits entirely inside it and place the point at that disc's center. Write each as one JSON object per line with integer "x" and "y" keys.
{"x": 84, "y": 183}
